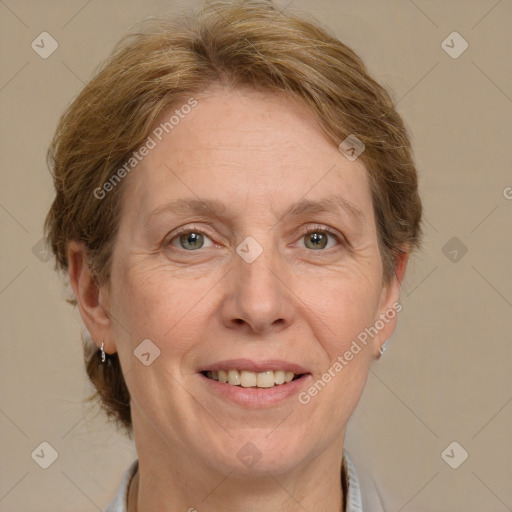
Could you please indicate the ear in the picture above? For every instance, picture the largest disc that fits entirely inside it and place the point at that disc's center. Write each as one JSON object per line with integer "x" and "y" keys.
{"x": 91, "y": 297}
{"x": 389, "y": 305}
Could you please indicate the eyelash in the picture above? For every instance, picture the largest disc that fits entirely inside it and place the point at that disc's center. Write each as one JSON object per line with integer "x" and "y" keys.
{"x": 324, "y": 231}
{"x": 312, "y": 229}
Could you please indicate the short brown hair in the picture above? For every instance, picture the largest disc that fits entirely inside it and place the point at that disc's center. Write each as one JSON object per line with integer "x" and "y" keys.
{"x": 166, "y": 60}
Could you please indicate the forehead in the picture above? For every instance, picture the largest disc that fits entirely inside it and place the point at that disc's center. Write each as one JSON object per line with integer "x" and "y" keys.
{"x": 245, "y": 145}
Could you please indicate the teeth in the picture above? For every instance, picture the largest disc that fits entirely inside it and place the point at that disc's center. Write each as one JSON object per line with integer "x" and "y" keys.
{"x": 265, "y": 379}
{"x": 233, "y": 378}
{"x": 279, "y": 377}
{"x": 247, "y": 379}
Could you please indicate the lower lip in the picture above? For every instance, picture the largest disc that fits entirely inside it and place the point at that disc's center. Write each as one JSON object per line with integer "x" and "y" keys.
{"x": 257, "y": 397}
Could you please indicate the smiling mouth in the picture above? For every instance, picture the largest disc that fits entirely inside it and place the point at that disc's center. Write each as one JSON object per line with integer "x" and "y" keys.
{"x": 248, "y": 379}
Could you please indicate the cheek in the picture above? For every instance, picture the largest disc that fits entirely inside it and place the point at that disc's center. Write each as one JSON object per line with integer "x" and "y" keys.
{"x": 341, "y": 307}
{"x": 155, "y": 303}
{"x": 344, "y": 309}
{"x": 353, "y": 313}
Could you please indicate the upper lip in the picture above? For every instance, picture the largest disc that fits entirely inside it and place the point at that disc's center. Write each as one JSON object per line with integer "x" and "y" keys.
{"x": 255, "y": 366}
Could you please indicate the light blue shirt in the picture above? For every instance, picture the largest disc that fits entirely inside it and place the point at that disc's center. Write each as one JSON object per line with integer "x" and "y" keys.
{"x": 359, "y": 498}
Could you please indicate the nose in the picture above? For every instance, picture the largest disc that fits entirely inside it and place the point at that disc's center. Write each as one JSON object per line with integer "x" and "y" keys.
{"x": 259, "y": 298}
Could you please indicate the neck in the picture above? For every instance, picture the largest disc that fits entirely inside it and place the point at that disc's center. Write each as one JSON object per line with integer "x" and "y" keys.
{"x": 174, "y": 475}
{"x": 169, "y": 484}
{"x": 272, "y": 494}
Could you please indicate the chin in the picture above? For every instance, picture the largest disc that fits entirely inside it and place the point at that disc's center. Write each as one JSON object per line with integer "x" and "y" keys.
{"x": 249, "y": 456}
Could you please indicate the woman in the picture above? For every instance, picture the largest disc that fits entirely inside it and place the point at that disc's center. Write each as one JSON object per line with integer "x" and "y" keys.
{"x": 236, "y": 202}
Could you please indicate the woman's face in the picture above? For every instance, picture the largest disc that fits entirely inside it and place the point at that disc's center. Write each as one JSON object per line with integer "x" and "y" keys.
{"x": 247, "y": 288}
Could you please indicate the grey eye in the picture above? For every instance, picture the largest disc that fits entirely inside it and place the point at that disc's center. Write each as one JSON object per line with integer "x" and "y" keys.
{"x": 190, "y": 240}
{"x": 318, "y": 240}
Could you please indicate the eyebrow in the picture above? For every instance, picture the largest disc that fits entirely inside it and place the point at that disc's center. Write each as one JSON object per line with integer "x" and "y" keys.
{"x": 331, "y": 203}
{"x": 212, "y": 207}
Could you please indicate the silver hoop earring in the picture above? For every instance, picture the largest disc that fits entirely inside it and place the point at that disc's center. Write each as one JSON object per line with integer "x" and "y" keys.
{"x": 102, "y": 352}
{"x": 383, "y": 348}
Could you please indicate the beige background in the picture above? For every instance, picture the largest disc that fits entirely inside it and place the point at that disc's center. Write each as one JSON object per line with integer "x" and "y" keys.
{"x": 447, "y": 374}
